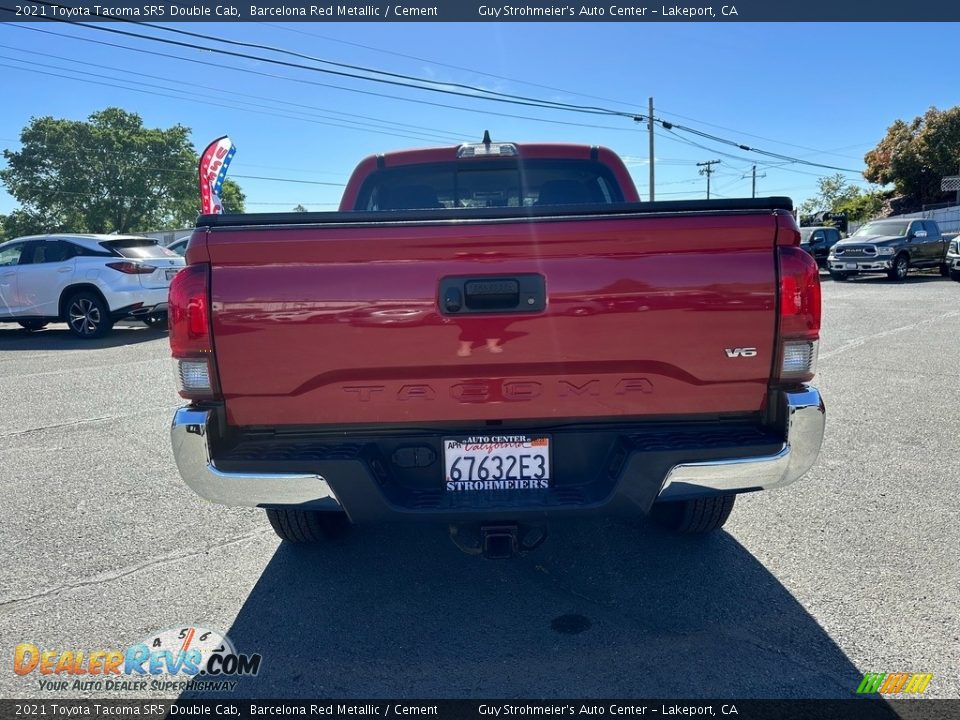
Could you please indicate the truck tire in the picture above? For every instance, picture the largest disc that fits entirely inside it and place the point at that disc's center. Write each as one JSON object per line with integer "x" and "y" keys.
{"x": 955, "y": 275}
{"x": 306, "y": 526}
{"x": 694, "y": 516}
{"x": 838, "y": 276}
{"x": 900, "y": 268}
{"x": 87, "y": 315}
{"x": 944, "y": 270}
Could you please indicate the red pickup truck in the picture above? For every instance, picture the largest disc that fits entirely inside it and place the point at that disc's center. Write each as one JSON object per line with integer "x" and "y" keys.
{"x": 491, "y": 335}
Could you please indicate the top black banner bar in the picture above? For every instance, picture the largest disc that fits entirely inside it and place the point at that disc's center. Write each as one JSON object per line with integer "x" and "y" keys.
{"x": 242, "y": 709}
{"x": 485, "y": 11}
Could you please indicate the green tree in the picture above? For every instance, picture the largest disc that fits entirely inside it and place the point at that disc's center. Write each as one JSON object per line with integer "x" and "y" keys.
{"x": 22, "y": 222}
{"x": 106, "y": 174}
{"x": 916, "y": 155}
{"x": 300, "y": 208}
{"x": 832, "y": 191}
{"x": 865, "y": 206}
{"x": 837, "y": 195}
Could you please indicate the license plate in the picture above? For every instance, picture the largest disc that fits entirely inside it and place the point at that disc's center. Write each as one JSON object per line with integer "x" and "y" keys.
{"x": 851, "y": 266}
{"x": 171, "y": 273}
{"x": 496, "y": 462}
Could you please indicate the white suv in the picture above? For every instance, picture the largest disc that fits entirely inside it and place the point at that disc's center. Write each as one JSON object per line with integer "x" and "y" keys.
{"x": 86, "y": 281}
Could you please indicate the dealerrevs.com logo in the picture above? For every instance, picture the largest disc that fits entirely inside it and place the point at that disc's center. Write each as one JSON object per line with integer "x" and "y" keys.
{"x": 182, "y": 658}
{"x": 894, "y": 683}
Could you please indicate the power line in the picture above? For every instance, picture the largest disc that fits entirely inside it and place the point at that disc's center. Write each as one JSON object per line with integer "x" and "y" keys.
{"x": 147, "y": 197}
{"x": 233, "y": 93}
{"x": 746, "y": 160}
{"x": 181, "y": 96}
{"x": 253, "y": 165}
{"x": 759, "y": 137}
{"x": 305, "y": 81}
{"x": 290, "y": 180}
{"x": 361, "y": 68}
{"x": 293, "y": 203}
{"x": 180, "y": 171}
{"x": 444, "y": 135}
{"x": 691, "y": 143}
{"x": 488, "y": 95}
{"x": 183, "y": 171}
{"x": 544, "y": 87}
{"x": 771, "y": 165}
{"x": 671, "y": 126}
{"x": 442, "y": 64}
{"x": 491, "y": 96}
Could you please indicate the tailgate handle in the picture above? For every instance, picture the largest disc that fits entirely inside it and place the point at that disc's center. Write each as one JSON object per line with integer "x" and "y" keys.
{"x": 494, "y": 294}
{"x": 491, "y": 294}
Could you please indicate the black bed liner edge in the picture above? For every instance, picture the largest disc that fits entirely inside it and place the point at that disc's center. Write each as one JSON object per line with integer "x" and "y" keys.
{"x": 443, "y": 216}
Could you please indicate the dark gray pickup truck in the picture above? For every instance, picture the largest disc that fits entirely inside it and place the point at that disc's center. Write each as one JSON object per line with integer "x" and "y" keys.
{"x": 890, "y": 246}
{"x": 819, "y": 241}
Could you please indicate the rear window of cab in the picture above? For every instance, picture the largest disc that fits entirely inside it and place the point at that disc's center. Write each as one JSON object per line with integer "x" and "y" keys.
{"x": 474, "y": 183}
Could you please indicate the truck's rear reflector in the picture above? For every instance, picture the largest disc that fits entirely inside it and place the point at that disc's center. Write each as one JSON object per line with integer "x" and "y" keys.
{"x": 799, "y": 359}
{"x": 193, "y": 376}
{"x": 799, "y": 319}
{"x": 190, "y": 339}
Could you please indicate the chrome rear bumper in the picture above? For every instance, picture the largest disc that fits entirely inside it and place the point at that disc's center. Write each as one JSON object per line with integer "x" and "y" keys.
{"x": 803, "y": 411}
{"x": 805, "y": 422}
{"x": 190, "y": 437}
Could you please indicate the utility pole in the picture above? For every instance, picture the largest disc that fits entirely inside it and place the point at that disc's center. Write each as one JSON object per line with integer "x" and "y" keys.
{"x": 707, "y": 169}
{"x": 753, "y": 192}
{"x": 650, "y": 129}
{"x": 649, "y": 119}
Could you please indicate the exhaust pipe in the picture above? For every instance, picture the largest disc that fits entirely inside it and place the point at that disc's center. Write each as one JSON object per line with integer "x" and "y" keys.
{"x": 501, "y": 541}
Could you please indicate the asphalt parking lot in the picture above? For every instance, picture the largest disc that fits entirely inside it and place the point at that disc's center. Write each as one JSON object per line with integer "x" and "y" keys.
{"x": 854, "y": 569}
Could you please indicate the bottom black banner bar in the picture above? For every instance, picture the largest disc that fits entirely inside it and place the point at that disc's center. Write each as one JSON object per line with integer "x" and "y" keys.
{"x": 855, "y": 709}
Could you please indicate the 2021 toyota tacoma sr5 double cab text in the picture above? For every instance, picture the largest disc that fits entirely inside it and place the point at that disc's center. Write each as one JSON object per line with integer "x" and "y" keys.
{"x": 490, "y": 336}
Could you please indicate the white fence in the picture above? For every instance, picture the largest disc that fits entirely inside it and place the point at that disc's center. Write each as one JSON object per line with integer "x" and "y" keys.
{"x": 947, "y": 218}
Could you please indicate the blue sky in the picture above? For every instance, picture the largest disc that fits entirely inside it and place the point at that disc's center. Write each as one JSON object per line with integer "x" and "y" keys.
{"x": 822, "y": 92}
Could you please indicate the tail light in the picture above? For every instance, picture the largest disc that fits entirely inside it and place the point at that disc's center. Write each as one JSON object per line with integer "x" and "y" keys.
{"x": 191, "y": 342}
{"x": 799, "y": 320}
{"x": 487, "y": 149}
{"x": 132, "y": 268}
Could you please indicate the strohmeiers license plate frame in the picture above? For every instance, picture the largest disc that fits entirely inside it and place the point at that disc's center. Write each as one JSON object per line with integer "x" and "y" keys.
{"x": 486, "y": 474}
